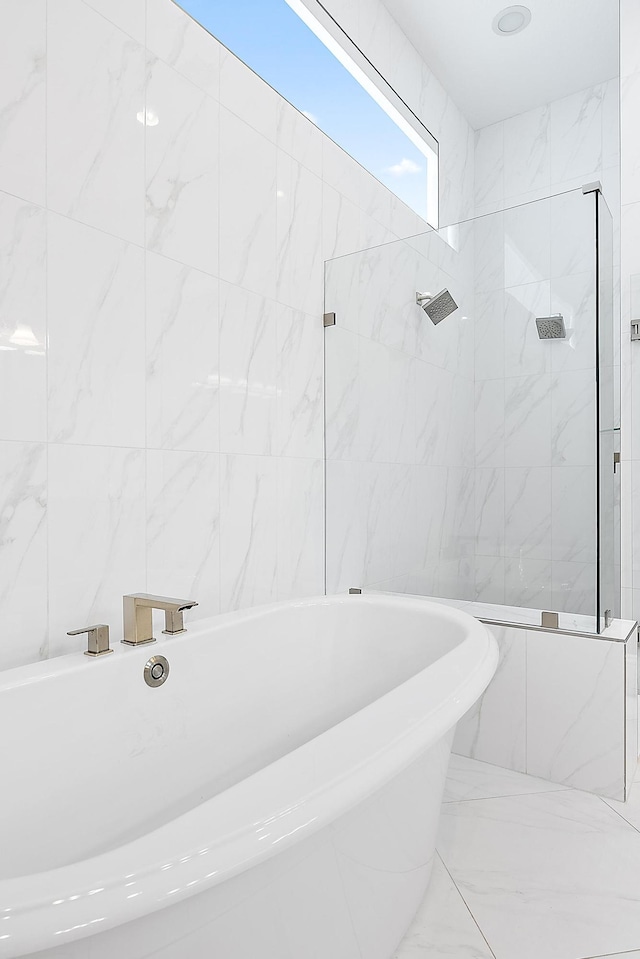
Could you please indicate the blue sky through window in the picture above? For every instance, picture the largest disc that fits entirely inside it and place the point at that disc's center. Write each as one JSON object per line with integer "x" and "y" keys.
{"x": 274, "y": 42}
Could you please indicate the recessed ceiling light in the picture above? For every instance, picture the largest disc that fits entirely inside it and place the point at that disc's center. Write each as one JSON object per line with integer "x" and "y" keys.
{"x": 511, "y": 20}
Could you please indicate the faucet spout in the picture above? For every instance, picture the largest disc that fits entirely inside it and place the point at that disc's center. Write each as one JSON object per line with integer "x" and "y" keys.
{"x": 137, "y": 615}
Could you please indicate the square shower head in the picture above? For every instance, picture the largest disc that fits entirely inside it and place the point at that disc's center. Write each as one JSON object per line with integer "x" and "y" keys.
{"x": 551, "y": 327}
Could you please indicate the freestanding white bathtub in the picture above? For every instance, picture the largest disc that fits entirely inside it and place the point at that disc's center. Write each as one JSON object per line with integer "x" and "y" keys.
{"x": 277, "y": 797}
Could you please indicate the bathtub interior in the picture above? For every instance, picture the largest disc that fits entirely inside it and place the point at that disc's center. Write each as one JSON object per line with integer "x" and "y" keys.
{"x": 240, "y": 696}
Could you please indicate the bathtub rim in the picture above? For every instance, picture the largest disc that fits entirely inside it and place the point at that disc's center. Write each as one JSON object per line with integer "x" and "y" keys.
{"x": 322, "y": 779}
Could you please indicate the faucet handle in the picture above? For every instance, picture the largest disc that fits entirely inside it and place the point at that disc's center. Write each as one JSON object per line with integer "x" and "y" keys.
{"x": 98, "y": 642}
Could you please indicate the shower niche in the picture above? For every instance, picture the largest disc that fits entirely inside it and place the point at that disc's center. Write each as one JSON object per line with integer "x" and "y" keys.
{"x": 471, "y": 415}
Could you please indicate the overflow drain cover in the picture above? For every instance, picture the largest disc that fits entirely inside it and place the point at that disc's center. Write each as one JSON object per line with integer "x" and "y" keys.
{"x": 156, "y": 671}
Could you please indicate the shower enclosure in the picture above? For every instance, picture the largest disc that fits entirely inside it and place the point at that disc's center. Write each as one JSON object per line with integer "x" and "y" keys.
{"x": 472, "y": 459}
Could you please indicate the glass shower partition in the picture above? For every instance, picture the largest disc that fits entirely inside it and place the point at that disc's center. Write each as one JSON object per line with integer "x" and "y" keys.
{"x": 465, "y": 459}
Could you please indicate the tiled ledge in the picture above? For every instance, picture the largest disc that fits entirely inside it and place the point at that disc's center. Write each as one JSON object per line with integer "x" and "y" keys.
{"x": 563, "y": 704}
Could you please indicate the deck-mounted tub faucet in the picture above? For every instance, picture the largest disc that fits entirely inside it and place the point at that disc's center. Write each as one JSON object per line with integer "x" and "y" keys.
{"x": 138, "y": 623}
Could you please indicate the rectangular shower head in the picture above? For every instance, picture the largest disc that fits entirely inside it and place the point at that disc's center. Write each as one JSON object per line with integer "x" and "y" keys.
{"x": 551, "y": 327}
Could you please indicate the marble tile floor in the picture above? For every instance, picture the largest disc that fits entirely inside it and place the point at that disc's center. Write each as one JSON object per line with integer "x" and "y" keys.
{"x": 527, "y": 869}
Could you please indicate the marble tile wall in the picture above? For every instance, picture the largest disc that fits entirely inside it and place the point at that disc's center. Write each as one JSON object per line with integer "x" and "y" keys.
{"x": 630, "y": 304}
{"x": 558, "y": 709}
{"x": 535, "y": 401}
{"x": 164, "y": 218}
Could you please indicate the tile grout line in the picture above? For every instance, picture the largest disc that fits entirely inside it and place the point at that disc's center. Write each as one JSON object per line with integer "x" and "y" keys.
{"x": 537, "y": 792}
{"x": 613, "y": 810}
{"x": 446, "y": 868}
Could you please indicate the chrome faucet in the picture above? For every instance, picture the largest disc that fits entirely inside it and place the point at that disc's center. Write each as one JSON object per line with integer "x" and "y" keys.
{"x": 138, "y": 623}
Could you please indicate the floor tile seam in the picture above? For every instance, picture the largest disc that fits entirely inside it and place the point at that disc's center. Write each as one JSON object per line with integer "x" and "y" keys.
{"x": 536, "y": 792}
{"x": 466, "y": 904}
{"x": 626, "y": 952}
{"x": 624, "y": 819}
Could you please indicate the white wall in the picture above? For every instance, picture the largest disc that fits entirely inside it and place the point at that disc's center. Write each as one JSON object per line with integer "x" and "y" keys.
{"x": 160, "y": 302}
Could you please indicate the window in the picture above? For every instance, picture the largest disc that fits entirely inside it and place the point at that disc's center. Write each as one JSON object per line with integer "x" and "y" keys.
{"x": 302, "y": 53}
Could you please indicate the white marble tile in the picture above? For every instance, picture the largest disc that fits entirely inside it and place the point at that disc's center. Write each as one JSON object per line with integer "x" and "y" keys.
{"x": 299, "y": 137}
{"x": 373, "y": 401}
{"x": 248, "y": 531}
{"x": 388, "y": 278}
{"x": 23, "y": 61}
{"x": 527, "y": 162}
{"x": 575, "y": 721}
{"x": 345, "y": 537}
{"x": 342, "y": 393}
{"x": 96, "y": 337}
{"x": 574, "y": 297}
{"x": 128, "y": 15}
{"x": 573, "y": 495}
{"x": 95, "y": 149}
{"x": 247, "y": 206}
{"x": 299, "y": 241}
{"x": 339, "y": 170}
{"x": 402, "y": 408}
{"x": 494, "y": 729}
{"x": 573, "y": 418}
{"x": 524, "y": 352}
{"x": 489, "y": 318}
{"x": 183, "y": 386}
{"x": 248, "y": 371}
{"x": 575, "y": 131}
{"x": 96, "y": 538}
{"x": 375, "y": 198}
{"x": 574, "y": 587}
{"x": 527, "y": 412}
{"x": 489, "y": 511}
{"x": 527, "y": 508}
{"x": 340, "y": 224}
{"x": 460, "y": 452}
{"x": 489, "y": 165}
{"x": 405, "y": 543}
{"x": 23, "y": 334}
{"x": 181, "y": 169}
{"x": 527, "y": 582}
{"x": 300, "y": 527}
{"x": 572, "y": 234}
{"x": 489, "y": 579}
{"x": 443, "y": 925}
{"x": 527, "y": 249}
{"x": 516, "y": 859}
{"x": 183, "y": 527}
{"x": 23, "y": 552}
{"x": 183, "y": 44}
{"x": 375, "y": 495}
{"x": 299, "y": 405}
{"x": 246, "y": 94}
{"x": 471, "y": 779}
{"x": 490, "y": 423}
{"x": 489, "y": 241}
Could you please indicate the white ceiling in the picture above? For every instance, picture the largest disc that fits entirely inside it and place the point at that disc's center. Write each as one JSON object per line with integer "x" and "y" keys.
{"x": 568, "y": 46}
